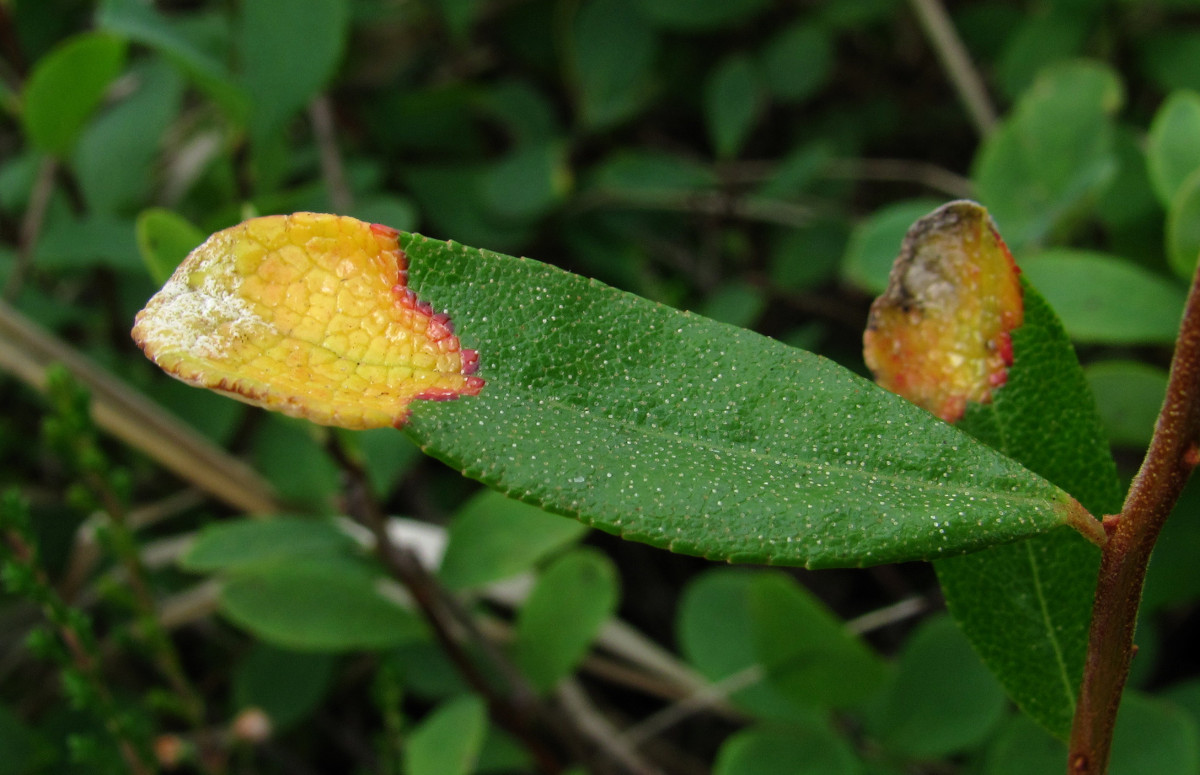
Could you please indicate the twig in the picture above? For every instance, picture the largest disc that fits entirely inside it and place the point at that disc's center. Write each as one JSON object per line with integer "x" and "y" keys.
{"x": 957, "y": 62}
{"x": 320, "y": 113}
{"x": 904, "y": 171}
{"x": 27, "y": 350}
{"x": 31, "y": 224}
{"x": 1173, "y": 454}
{"x": 404, "y": 565}
{"x": 616, "y": 745}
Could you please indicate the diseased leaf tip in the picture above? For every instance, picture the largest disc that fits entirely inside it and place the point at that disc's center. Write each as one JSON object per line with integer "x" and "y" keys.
{"x": 940, "y": 335}
{"x": 310, "y": 315}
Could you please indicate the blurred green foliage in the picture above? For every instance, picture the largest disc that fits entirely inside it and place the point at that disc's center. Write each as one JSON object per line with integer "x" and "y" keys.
{"x": 755, "y": 161}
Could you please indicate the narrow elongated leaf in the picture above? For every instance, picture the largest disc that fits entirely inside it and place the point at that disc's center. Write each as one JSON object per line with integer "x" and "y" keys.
{"x": 684, "y": 433}
{"x": 658, "y": 425}
{"x": 322, "y": 604}
{"x": 1026, "y": 607}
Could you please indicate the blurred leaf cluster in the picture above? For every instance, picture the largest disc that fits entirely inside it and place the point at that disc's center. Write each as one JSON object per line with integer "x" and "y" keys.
{"x": 756, "y": 161}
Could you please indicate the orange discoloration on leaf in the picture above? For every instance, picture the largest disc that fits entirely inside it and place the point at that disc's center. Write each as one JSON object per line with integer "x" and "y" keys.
{"x": 309, "y": 315}
{"x": 940, "y": 334}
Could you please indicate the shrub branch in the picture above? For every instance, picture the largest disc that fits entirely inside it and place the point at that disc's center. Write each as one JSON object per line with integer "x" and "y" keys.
{"x": 1173, "y": 454}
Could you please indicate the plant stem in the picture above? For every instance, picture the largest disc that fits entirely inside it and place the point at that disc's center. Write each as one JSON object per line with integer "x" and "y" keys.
{"x": 957, "y": 63}
{"x": 1173, "y": 454}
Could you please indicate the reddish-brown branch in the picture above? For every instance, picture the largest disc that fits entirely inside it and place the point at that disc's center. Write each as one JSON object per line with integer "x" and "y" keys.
{"x": 1173, "y": 454}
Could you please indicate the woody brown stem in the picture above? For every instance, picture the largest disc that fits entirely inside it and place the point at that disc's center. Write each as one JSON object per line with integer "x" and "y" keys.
{"x": 1173, "y": 454}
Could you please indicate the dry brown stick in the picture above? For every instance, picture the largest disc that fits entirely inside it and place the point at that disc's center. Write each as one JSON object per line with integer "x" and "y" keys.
{"x": 27, "y": 350}
{"x": 320, "y": 113}
{"x": 957, "y": 63}
{"x": 1173, "y": 454}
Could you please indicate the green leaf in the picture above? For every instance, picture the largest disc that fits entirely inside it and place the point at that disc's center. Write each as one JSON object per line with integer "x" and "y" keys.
{"x": 1128, "y": 396}
{"x": 142, "y": 23}
{"x": 286, "y": 685}
{"x": 700, "y": 14}
{"x": 528, "y": 182}
{"x": 797, "y": 61}
{"x": 757, "y": 751}
{"x": 1107, "y": 300}
{"x": 688, "y": 434}
{"x": 448, "y": 741}
{"x": 322, "y": 604}
{"x": 493, "y": 538}
{"x": 873, "y": 243}
{"x": 1053, "y": 154}
{"x": 66, "y": 86}
{"x": 1023, "y": 746}
{"x": 806, "y": 650}
{"x": 1026, "y": 606}
{"x": 288, "y": 454}
{"x": 1183, "y": 227}
{"x": 1172, "y": 150}
{"x": 573, "y": 597}
{"x": 736, "y": 303}
{"x": 113, "y": 159}
{"x": 612, "y": 80}
{"x": 1153, "y": 736}
{"x": 732, "y": 104}
{"x": 287, "y": 49}
{"x": 941, "y": 700}
{"x": 164, "y": 239}
{"x": 715, "y": 630}
{"x": 225, "y": 546}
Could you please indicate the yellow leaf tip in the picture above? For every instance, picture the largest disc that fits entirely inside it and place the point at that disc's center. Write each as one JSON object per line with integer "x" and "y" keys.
{"x": 308, "y": 314}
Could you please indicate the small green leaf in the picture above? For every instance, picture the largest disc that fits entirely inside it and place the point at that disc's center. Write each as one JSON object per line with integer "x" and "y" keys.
{"x": 715, "y": 630}
{"x": 493, "y": 538}
{"x": 1172, "y": 147}
{"x": 1183, "y": 227}
{"x": 1026, "y": 606}
{"x": 287, "y": 453}
{"x": 286, "y": 685}
{"x": 164, "y": 239}
{"x": 143, "y": 23}
{"x": 735, "y": 303}
{"x": 1106, "y": 300}
{"x": 528, "y": 182}
{"x": 573, "y": 597}
{"x": 1128, "y": 396}
{"x": 758, "y": 751}
{"x": 612, "y": 80}
{"x": 692, "y": 435}
{"x": 321, "y": 604}
{"x": 113, "y": 159}
{"x": 806, "y": 650}
{"x": 448, "y": 741}
{"x": 225, "y": 546}
{"x": 797, "y": 61}
{"x": 1153, "y": 736}
{"x": 732, "y": 104}
{"x": 65, "y": 88}
{"x": 1052, "y": 154}
{"x": 942, "y": 700}
{"x": 1023, "y": 746}
{"x": 280, "y": 73}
